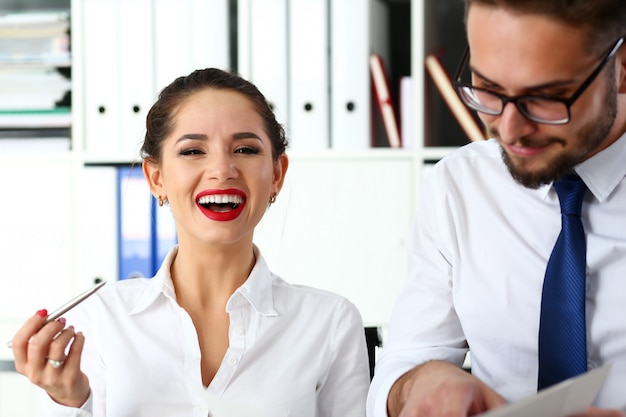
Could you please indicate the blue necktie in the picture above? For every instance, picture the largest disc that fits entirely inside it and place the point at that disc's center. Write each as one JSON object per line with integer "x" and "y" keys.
{"x": 562, "y": 334}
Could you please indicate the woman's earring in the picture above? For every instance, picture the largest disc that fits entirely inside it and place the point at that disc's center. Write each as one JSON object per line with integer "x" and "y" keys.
{"x": 161, "y": 200}
{"x": 273, "y": 198}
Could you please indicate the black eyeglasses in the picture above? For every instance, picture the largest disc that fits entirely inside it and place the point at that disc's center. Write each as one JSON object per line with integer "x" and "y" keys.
{"x": 538, "y": 109}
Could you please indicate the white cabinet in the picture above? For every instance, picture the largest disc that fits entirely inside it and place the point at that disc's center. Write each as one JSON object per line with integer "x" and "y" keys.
{"x": 341, "y": 222}
{"x": 129, "y": 50}
{"x": 38, "y": 241}
{"x": 18, "y": 397}
{"x": 96, "y": 216}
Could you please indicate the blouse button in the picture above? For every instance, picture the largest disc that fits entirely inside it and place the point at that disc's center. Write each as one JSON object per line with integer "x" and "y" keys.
{"x": 232, "y": 361}
{"x": 238, "y": 331}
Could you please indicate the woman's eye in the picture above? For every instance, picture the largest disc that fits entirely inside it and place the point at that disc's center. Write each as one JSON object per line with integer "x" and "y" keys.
{"x": 191, "y": 151}
{"x": 247, "y": 150}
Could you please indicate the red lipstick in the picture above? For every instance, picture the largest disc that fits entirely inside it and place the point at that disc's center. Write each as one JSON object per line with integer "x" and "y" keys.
{"x": 221, "y": 205}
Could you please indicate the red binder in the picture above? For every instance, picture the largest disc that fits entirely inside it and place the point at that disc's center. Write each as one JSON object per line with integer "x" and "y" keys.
{"x": 380, "y": 80}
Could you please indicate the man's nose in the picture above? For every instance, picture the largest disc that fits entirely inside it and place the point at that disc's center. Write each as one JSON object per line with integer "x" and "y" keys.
{"x": 513, "y": 124}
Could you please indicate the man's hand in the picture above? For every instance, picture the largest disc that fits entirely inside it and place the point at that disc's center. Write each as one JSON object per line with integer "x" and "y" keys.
{"x": 439, "y": 388}
{"x": 599, "y": 412}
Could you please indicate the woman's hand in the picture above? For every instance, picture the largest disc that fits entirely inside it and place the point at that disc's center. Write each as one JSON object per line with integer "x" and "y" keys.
{"x": 39, "y": 349}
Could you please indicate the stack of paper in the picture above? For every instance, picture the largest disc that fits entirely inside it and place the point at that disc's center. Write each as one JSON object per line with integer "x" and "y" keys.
{"x": 35, "y": 38}
{"x": 32, "y": 46}
{"x": 31, "y": 88}
{"x": 570, "y": 397}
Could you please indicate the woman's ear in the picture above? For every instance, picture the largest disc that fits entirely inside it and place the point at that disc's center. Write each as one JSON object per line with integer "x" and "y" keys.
{"x": 280, "y": 169}
{"x": 152, "y": 172}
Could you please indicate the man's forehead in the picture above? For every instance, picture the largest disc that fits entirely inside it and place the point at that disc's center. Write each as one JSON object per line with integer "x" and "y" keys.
{"x": 508, "y": 47}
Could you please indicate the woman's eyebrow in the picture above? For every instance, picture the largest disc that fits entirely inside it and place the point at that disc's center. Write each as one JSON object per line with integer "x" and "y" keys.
{"x": 203, "y": 137}
{"x": 246, "y": 135}
{"x": 192, "y": 136}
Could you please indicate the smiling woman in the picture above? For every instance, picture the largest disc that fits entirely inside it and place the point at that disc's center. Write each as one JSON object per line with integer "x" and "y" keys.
{"x": 214, "y": 321}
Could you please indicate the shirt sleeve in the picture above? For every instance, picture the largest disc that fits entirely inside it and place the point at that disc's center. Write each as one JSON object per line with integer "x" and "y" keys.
{"x": 424, "y": 325}
{"x": 344, "y": 392}
{"x": 54, "y": 409}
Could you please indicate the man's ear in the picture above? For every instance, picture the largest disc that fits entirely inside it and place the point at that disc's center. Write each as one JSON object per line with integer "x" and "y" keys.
{"x": 152, "y": 172}
{"x": 621, "y": 70}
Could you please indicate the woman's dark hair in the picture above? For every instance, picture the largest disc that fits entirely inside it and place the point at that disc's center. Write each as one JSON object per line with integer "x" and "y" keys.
{"x": 603, "y": 20}
{"x": 160, "y": 119}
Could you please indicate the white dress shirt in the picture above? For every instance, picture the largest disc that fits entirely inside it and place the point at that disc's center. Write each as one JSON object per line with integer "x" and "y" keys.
{"x": 293, "y": 351}
{"x": 478, "y": 250}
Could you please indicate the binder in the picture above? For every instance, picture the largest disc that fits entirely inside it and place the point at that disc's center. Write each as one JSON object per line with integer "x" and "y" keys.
{"x": 97, "y": 223}
{"x": 146, "y": 232}
{"x": 244, "y": 39}
{"x": 118, "y": 74}
{"x": 189, "y": 35}
{"x": 357, "y": 29}
{"x": 209, "y": 37}
{"x": 135, "y": 224}
{"x": 134, "y": 48}
{"x": 100, "y": 76}
{"x": 462, "y": 114}
{"x": 384, "y": 101}
{"x": 136, "y": 87}
{"x": 406, "y": 112}
{"x": 308, "y": 125}
{"x": 263, "y": 50}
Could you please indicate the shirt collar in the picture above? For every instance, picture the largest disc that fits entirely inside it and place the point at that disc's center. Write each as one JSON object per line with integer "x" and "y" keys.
{"x": 602, "y": 172}
{"x": 605, "y": 170}
{"x": 255, "y": 291}
{"x": 160, "y": 285}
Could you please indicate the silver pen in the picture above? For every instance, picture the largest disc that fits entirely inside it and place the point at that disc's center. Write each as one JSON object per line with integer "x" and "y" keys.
{"x": 69, "y": 305}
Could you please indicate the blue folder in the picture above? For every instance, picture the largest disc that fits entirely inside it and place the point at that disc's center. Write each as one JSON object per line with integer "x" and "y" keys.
{"x": 146, "y": 232}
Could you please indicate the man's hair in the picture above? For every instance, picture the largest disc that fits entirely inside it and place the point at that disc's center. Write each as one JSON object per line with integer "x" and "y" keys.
{"x": 604, "y": 20}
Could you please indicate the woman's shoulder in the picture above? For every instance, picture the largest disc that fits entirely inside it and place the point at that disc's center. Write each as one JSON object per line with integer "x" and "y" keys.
{"x": 119, "y": 293}
{"x": 126, "y": 287}
{"x": 306, "y": 295}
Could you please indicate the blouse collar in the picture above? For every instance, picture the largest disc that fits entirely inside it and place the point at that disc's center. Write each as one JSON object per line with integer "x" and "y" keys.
{"x": 256, "y": 291}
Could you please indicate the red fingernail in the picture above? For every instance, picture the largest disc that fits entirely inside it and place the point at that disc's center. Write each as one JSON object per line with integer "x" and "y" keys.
{"x": 42, "y": 313}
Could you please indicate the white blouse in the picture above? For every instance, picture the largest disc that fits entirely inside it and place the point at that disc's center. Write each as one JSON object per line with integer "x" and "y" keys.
{"x": 293, "y": 351}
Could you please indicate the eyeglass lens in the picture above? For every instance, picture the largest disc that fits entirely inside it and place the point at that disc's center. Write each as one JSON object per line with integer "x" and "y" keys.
{"x": 535, "y": 108}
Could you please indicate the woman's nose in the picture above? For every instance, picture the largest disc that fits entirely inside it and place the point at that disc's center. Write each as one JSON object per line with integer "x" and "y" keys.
{"x": 222, "y": 166}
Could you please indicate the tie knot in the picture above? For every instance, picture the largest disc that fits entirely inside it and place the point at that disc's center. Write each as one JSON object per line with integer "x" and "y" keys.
{"x": 571, "y": 191}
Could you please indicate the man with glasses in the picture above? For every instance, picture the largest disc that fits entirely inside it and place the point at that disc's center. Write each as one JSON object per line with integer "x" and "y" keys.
{"x": 487, "y": 273}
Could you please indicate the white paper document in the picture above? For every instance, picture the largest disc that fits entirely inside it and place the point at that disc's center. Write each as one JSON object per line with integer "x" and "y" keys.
{"x": 567, "y": 398}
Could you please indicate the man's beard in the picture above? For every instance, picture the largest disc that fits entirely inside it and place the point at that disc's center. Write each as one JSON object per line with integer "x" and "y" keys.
{"x": 591, "y": 137}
